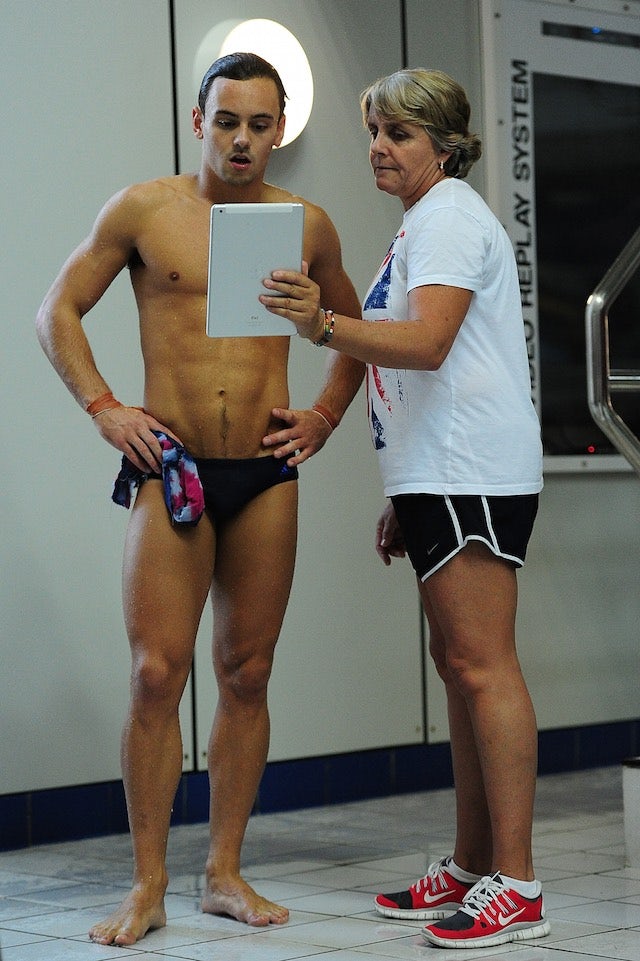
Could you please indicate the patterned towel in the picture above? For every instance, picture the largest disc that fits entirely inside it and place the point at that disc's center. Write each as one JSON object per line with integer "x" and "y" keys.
{"x": 182, "y": 488}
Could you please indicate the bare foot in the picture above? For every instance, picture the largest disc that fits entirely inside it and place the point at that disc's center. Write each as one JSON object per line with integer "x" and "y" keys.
{"x": 137, "y": 914}
{"x": 237, "y": 900}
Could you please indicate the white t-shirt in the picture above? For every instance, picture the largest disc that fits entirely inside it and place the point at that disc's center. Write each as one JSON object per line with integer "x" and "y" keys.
{"x": 469, "y": 427}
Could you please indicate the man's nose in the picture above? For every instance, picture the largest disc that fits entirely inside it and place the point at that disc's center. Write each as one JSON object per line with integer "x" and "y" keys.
{"x": 241, "y": 138}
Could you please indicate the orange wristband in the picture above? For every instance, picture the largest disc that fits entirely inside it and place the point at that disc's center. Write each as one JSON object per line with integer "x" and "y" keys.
{"x": 101, "y": 404}
{"x": 330, "y": 418}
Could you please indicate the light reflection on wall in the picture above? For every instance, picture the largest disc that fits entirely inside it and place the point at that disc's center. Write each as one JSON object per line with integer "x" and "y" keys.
{"x": 277, "y": 45}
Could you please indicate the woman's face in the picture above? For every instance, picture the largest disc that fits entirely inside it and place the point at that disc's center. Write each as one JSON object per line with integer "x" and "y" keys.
{"x": 403, "y": 158}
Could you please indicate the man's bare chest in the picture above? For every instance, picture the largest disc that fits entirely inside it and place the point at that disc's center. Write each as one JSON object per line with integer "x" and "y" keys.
{"x": 173, "y": 251}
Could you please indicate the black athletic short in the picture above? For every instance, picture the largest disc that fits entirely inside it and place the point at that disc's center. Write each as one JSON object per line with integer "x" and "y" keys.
{"x": 437, "y": 526}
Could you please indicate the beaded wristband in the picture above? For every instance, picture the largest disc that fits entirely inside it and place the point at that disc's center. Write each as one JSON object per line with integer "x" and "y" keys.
{"x": 329, "y": 324}
{"x": 326, "y": 414}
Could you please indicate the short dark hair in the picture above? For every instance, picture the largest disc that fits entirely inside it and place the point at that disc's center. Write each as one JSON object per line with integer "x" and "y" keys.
{"x": 240, "y": 66}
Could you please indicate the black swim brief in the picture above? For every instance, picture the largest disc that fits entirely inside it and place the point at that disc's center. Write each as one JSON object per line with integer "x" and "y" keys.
{"x": 230, "y": 483}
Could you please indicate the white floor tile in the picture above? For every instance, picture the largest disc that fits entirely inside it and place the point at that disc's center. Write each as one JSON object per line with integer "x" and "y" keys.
{"x": 342, "y": 876}
{"x": 414, "y": 948}
{"x": 9, "y": 939}
{"x": 254, "y": 947}
{"x": 580, "y": 862}
{"x": 570, "y": 930}
{"x": 325, "y": 866}
{"x": 337, "y": 903}
{"x": 62, "y": 950}
{"x": 614, "y": 914}
{"x": 341, "y": 932}
{"x": 596, "y": 886}
{"x": 623, "y": 945}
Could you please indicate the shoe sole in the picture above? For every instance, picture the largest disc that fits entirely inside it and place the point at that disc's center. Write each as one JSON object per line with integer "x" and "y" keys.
{"x": 521, "y": 934}
{"x": 419, "y": 914}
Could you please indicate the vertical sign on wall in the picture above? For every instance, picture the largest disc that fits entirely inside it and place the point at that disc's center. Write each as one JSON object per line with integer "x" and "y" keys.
{"x": 562, "y": 138}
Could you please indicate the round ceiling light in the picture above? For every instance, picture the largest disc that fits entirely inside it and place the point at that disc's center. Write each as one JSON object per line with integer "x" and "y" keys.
{"x": 274, "y": 43}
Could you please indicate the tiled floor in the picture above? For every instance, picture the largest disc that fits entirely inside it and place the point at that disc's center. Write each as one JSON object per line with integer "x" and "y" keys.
{"x": 324, "y": 864}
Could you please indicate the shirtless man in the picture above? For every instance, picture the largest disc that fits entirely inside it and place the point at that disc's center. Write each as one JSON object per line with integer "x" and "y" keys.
{"x": 220, "y": 398}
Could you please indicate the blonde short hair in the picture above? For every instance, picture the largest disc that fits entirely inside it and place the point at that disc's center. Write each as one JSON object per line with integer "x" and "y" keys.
{"x": 432, "y": 100}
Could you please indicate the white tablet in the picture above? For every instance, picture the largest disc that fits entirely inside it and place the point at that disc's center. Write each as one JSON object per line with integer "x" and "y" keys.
{"x": 247, "y": 242}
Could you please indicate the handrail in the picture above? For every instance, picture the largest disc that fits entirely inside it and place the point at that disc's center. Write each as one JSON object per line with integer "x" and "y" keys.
{"x": 601, "y": 380}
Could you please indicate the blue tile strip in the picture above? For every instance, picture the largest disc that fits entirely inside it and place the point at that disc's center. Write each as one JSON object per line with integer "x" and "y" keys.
{"x": 71, "y": 813}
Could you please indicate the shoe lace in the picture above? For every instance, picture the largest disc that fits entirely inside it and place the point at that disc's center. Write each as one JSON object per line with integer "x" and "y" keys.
{"x": 435, "y": 876}
{"x": 480, "y": 899}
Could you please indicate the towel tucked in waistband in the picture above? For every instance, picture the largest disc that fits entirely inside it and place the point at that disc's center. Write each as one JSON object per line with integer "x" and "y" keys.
{"x": 183, "y": 493}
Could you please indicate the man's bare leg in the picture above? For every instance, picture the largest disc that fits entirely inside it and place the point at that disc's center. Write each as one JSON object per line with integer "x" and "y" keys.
{"x": 254, "y": 569}
{"x": 166, "y": 578}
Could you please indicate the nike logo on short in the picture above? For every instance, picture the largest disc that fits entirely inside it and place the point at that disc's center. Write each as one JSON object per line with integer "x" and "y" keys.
{"x": 432, "y": 549}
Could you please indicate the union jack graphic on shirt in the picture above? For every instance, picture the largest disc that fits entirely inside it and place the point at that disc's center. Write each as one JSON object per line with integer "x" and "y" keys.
{"x": 378, "y": 296}
{"x": 378, "y": 299}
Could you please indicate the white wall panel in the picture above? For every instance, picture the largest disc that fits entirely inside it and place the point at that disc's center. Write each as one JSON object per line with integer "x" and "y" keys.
{"x": 347, "y": 672}
{"x": 445, "y": 36}
{"x": 86, "y": 109}
{"x": 579, "y": 604}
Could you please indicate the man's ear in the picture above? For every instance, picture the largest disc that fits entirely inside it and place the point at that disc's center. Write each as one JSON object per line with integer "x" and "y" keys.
{"x": 197, "y": 121}
{"x": 280, "y": 132}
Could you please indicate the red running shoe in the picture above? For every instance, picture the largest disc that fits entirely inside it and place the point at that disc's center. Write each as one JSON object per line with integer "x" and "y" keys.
{"x": 434, "y": 896}
{"x": 491, "y": 913}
